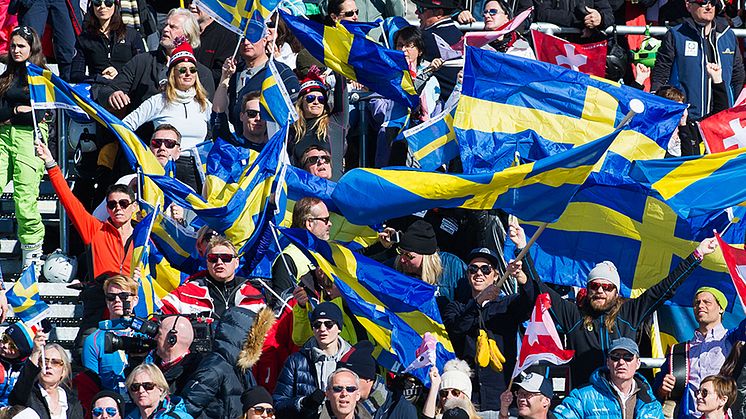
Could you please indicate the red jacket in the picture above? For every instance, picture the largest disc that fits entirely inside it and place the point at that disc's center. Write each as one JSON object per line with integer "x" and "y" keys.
{"x": 109, "y": 256}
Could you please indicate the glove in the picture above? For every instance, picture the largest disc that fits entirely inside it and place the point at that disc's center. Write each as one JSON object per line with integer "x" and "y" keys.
{"x": 313, "y": 401}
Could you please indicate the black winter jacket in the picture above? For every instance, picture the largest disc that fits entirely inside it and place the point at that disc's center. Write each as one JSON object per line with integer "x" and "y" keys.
{"x": 592, "y": 343}
{"x": 179, "y": 374}
{"x": 98, "y": 52}
{"x": 140, "y": 78}
{"x": 396, "y": 407}
{"x": 216, "y": 386}
{"x": 570, "y": 13}
{"x": 27, "y": 393}
{"x": 216, "y": 44}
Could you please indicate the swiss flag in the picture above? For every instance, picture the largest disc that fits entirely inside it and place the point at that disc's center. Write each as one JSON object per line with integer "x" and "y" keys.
{"x": 735, "y": 258}
{"x": 586, "y": 58}
{"x": 725, "y": 130}
{"x": 541, "y": 342}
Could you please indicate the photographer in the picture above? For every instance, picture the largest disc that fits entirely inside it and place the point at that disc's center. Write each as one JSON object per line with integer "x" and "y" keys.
{"x": 121, "y": 296}
{"x": 172, "y": 353}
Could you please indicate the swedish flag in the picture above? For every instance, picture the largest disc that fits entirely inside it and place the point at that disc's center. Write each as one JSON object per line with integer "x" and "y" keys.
{"x": 433, "y": 143}
{"x": 224, "y": 165}
{"x": 25, "y": 300}
{"x": 382, "y": 70}
{"x": 176, "y": 243}
{"x": 537, "y": 191}
{"x": 696, "y": 184}
{"x": 395, "y": 309}
{"x": 275, "y": 101}
{"x": 244, "y": 17}
{"x": 45, "y": 95}
{"x": 510, "y": 104}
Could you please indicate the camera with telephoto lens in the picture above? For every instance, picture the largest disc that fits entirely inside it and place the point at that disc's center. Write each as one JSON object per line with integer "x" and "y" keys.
{"x": 142, "y": 341}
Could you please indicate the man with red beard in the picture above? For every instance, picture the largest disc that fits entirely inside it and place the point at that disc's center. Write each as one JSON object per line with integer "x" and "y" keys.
{"x": 604, "y": 316}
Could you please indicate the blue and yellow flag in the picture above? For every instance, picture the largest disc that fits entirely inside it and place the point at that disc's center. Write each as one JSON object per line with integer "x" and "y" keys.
{"x": 537, "y": 191}
{"x": 509, "y": 104}
{"x": 176, "y": 243}
{"x": 395, "y": 309}
{"x": 433, "y": 143}
{"x": 25, "y": 300}
{"x": 243, "y": 17}
{"x": 696, "y": 184}
{"x": 356, "y": 57}
{"x": 45, "y": 95}
{"x": 224, "y": 166}
{"x": 239, "y": 208}
{"x": 275, "y": 102}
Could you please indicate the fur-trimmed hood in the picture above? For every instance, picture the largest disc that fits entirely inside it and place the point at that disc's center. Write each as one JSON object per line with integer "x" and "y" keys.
{"x": 239, "y": 332}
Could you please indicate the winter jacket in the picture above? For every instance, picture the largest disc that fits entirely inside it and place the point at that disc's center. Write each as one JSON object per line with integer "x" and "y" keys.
{"x": 592, "y": 343}
{"x": 501, "y": 319}
{"x": 599, "y": 400}
{"x": 571, "y": 13}
{"x": 109, "y": 367}
{"x": 18, "y": 95}
{"x": 278, "y": 346}
{"x": 27, "y": 392}
{"x": 453, "y": 276}
{"x": 299, "y": 378}
{"x": 170, "y": 408}
{"x": 200, "y": 294}
{"x": 216, "y": 386}
{"x": 179, "y": 374}
{"x": 98, "y": 52}
{"x": 326, "y": 413}
{"x": 396, "y": 407}
{"x": 216, "y": 44}
{"x": 12, "y": 372}
{"x": 681, "y": 61}
{"x": 141, "y": 78}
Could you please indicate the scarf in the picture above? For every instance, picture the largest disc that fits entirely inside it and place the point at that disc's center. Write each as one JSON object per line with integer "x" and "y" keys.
{"x": 185, "y": 96}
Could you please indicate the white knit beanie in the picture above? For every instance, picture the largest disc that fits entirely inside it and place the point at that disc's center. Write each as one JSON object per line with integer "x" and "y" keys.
{"x": 605, "y": 270}
{"x": 457, "y": 374}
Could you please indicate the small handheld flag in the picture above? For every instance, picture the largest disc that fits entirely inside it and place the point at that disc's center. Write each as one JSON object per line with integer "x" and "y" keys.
{"x": 25, "y": 300}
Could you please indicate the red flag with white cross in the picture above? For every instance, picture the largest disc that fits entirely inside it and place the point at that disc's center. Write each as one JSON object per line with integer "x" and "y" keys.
{"x": 586, "y": 58}
{"x": 726, "y": 130}
{"x": 735, "y": 258}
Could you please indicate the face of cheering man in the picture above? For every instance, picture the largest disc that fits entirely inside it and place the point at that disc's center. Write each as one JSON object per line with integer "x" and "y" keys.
{"x": 222, "y": 263}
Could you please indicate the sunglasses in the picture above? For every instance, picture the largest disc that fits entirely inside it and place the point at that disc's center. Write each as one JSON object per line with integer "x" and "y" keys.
{"x": 492, "y": 12}
{"x": 314, "y": 160}
{"x": 134, "y": 387}
{"x": 339, "y": 389}
{"x": 405, "y": 254}
{"x": 328, "y": 324}
{"x": 260, "y": 410}
{"x": 454, "y": 392}
{"x": 627, "y": 357}
{"x": 99, "y": 411}
{"x": 324, "y": 220}
{"x": 703, "y": 3}
{"x": 169, "y": 143}
{"x": 122, "y": 203}
{"x": 486, "y": 269}
{"x": 596, "y": 285}
{"x": 312, "y": 98}
{"x": 6, "y": 340}
{"x": 122, "y": 296}
{"x": 703, "y": 392}
{"x": 251, "y": 113}
{"x": 350, "y": 13}
{"x": 224, "y": 257}
{"x": 107, "y": 3}
{"x": 55, "y": 362}
{"x": 187, "y": 70}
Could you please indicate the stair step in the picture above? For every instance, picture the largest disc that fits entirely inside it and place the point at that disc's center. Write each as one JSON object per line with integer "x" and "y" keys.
{"x": 45, "y": 207}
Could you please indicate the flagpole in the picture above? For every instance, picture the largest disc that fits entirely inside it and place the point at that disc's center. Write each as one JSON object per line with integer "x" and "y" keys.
{"x": 284, "y": 262}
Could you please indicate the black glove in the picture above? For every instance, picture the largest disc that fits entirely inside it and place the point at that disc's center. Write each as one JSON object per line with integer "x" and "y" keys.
{"x": 313, "y": 401}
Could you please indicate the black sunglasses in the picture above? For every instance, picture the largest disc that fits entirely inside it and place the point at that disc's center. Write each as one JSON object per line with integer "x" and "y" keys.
{"x": 312, "y": 98}
{"x": 324, "y": 220}
{"x": 486, "y": 269}
{"x": 169, "y": 143}
{"x": 136, "y": 386}
{"x": 339, "y": 389}
{"x": 122, "y": 203}
{"x": 251, "y": 113}
{"x": 627, "y": 357}
{"x": 121, "y": 295}
{"x": 225, "y": 257}
{"x": 328, "y": 324}
{"x": 107, "y": 3}
{"x": 350, "y": 13}
{"x": 703, "y": 3}
{"x": 259, "y": 410}
{"x": 191, "y": 70}
{"x": 313, "y": 160}
{"x": 492, "y": 12}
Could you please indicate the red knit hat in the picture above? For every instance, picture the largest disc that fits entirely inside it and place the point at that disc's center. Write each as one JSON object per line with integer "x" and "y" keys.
{"x": 312, "y": 82}
{"x": 182, "y": 53}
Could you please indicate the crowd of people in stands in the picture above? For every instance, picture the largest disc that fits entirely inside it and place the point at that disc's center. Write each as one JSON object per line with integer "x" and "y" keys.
{"x": 290, "y": 347}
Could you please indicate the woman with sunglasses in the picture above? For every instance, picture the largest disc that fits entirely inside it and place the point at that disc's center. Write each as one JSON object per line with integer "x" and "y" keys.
{"x": 341, "y": 10}
{"x": 496, "y": 14}
{"x": 183, "y": 103}
{"x": 149, "y": 392}
{"x": 454, "y": 383}
{"x": 43, "y": 383}
{"x": 107, "y": 405}
{"x": 715, "y": 396}
{"x": 105, "y": 45}
{"x": 17, "y": 141}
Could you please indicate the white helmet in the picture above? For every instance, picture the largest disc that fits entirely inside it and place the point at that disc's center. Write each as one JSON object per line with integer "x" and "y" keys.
{"x": 59, "y": 267}
{"x": 82, "y": 135}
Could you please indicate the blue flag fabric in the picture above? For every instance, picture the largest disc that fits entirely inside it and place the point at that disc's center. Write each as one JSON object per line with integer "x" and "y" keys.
{"x": 395, "y": 309}
{"x": 243, "y": 17}
{"x": 433, "y": 143}
{"x": 275, "y": 102}
{"x": 697, "y": 184}
{"x": 25, "y": 300}
{"x": 510, "y": 104}
{"x": 537, "y": 191}
{"x": 44, "y": 95}
{"x": 356, "y": 57}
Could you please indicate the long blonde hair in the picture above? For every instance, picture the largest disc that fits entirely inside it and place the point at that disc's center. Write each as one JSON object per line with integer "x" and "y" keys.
{"x": 321, "y": 125}
{"x": 467, "y": 405}
{"x": 170, "y": 90}
{"x": 431, "y": 268}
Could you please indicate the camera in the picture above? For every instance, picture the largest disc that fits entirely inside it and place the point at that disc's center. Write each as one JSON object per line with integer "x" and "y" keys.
{"x": 129, "y": 344}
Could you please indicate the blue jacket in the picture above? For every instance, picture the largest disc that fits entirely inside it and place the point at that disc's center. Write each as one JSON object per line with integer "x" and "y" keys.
{"x": 109, "y": 367}
{"x": 453, "y": 276}
{"x": 170, "y": 407}
{"x": 681, "y": 63}
{"x": 599, "y": 400}
{"x": 12, "y": 371}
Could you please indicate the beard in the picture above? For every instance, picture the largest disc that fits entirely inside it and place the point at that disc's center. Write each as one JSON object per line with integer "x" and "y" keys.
{"x": 598, "y": 307}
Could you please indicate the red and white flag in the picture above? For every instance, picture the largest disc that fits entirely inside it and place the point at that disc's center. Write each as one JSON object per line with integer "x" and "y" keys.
{"x": 725, "y": 130}
{"x": 586, "y": 58}
{"x": 541, "y": 342}
{"x": 482, "y": 38}
{"x": 735, "y": 258}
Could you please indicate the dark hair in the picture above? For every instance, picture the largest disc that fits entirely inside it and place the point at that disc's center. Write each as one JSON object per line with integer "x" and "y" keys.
{"x": 284, "y": 35}
{"x": 672, "y": 93}
{"x": 116, "y": 25}
{"x": 334, "y": 7}
{"x": 121, "y": 189}
{"x": 168, "y": 127}
{"x": 410, "y": 35}
{"x": 18, "y": 70}
{"x": 302, "y": 211}
{"x": 253, "y": 95}
{"x": 503, "y": 5}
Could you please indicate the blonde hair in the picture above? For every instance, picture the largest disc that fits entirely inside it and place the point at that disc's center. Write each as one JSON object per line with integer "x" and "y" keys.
{"x": 321, "y": 125}
{"x": 431, "y": 268}
{"x": 155, "y": 374}
{"x": 66, "y": 367}
{"x": 121, "y": 281}
{"x": 221, "y": 241}
{"x": 465, "y": 404}
{"x": 170, "y": 91}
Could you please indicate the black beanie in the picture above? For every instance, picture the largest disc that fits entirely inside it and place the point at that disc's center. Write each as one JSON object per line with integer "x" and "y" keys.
{"x": 254, "y": 396}
{"x": 359, "y": 359}
{"x": 327, "y": 310}
{"x": 419, "y": 238}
